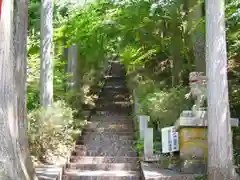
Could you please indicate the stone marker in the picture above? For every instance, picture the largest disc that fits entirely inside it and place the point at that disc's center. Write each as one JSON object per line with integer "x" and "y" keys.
{"x": 137, "y": 106}
{"x": 148, "y": 142}
{"x": 153, "y": 158}
{"x": 143, "y": 124}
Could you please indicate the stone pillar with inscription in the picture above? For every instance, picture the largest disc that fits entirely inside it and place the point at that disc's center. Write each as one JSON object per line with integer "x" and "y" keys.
{"x": 148, "y": 142}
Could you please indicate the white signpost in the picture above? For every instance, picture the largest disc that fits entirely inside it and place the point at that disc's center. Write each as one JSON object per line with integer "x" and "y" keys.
{"x": 170, "y": 139}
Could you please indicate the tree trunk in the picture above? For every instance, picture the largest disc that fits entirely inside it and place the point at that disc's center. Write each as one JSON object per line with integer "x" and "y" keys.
{"x": 65, "y": 58}
{"x": 73, "y": 67}
{"x": 220, "y": 152}
{"x": 176, "y": 44}
{"x": 196, "y": 27}
{"x": 12, "y": 165}
{"x": 46, "y": 77}
{"x": 20, "y": 56}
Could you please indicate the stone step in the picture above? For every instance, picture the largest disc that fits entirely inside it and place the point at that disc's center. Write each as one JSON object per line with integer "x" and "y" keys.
{"x": 106, "y": 166}
{"x": 105, "y": 151}
{"x": 114, "y": 90}
{"x": 119, "y": 137}
{"x": 120, "y": 86}
{"x": 113, "y": 132}
{"x": 114, "y": 76}
{"x": 116, "y": 137}
{"x": 114, "y": 105}
{"x": 116, "y": 124}
{"x": 117, "y": 70}
{"x": 122, "y": 110}
{"x": 109, "y": 129}
{"x": 117, "y": 67}
{"x": 113, "y": 82}
{"x": 110, "y": 125}
{"x": 115, "y": 87}
{"x": 124, "y": 135}
{"x": 115, "y": 109}
{"x": 105, "y": 148}
{"x": 151, "y": 171}
{"x": 108, "y": 113}
{"x": 120, "y": 74}
{"x": 111, "y": 122}
{"x": 109, "y": 138}
{"x": 102, "y": 152}
{"x": 114, "y": 102}
{"x": 96, "y": 140}
{"x": 96, "y": 111}
{"x": 83, "y": 147}
{"x": 48, "y": 172}
{"x": 113, "y": 117}
{"x": 102, "y": 159}
{"x": 111, "y": 99}
{"x": 101, "y": 175}
{"x": 115, "y": 97}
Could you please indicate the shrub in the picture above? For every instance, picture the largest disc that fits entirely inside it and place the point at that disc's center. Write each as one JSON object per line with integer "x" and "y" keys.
{"x": 162, "y": 105}
{"x": 51, "y": 129}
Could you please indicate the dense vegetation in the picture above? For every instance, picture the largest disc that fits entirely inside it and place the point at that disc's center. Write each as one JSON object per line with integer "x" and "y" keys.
{"x": 154, "y": 42}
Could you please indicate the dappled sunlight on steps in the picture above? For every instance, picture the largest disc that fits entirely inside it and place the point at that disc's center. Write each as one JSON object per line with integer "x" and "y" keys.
{"x": 106, "y": 151}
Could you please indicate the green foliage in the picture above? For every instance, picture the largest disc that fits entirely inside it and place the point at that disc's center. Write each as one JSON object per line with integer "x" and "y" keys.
{"x": 51, "y": 128}
{"x": 233, "y": 26}
{"x": 32, "y": 98}
{"x": 33, "y": 73}
{"x": 105, "y": 27}
{"x": 139, "y": 145}
{"x": 163, "y": 106}
{"x": 201, "y": 177}
{"x": 144, "y": 33}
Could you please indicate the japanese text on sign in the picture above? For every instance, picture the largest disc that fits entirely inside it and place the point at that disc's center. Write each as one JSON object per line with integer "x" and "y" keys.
{"x": 170, "y": 140}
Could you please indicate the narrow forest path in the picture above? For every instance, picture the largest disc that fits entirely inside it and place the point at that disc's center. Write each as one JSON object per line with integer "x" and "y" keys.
{"x": 106, "y": 149}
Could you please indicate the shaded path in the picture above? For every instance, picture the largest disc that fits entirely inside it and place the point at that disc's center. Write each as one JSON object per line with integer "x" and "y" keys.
{"x": 105, "y": 151}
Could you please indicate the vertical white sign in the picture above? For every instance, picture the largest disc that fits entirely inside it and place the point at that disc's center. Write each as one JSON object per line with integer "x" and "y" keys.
{"x": 170, "y": 139}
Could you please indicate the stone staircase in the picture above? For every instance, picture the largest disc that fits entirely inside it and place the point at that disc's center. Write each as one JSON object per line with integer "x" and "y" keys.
{"x": 106, "y": 151}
